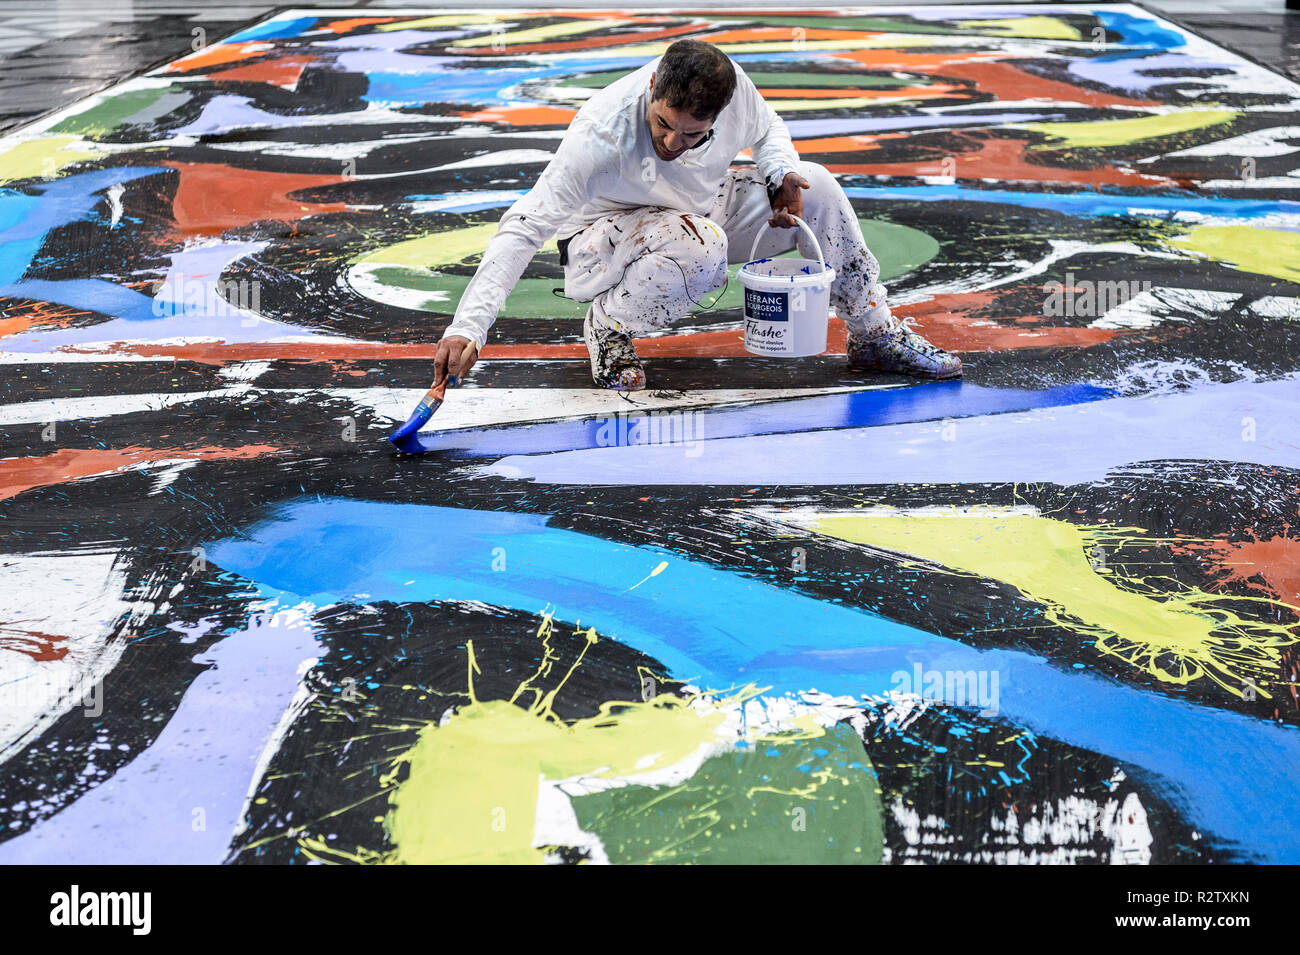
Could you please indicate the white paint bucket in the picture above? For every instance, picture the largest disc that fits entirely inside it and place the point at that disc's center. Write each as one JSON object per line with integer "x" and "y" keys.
{"x": 787, "y": 302}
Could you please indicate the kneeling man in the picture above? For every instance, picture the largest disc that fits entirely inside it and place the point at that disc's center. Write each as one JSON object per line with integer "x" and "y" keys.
{"x": 649, "y": 213}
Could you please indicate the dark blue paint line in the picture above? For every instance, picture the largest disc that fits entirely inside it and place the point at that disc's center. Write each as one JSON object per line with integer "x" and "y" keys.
{"x": 859, "y": 409}
{"x": 274, "y": 30}
{"x": 1141, "y": 32}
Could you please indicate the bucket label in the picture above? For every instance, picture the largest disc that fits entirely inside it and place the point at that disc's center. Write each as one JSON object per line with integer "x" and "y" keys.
{"x": 767, "y": 306}
{"x": 768, "y": 338}
{"x": 768, "y": 329}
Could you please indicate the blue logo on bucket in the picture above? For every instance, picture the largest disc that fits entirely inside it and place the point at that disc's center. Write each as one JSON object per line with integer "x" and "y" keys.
{"x": 767, "y": 306}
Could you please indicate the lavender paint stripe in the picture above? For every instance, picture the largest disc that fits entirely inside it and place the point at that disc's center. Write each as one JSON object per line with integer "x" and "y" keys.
{"x": 1063, "y": 445}
{"x": 204, "y": 758}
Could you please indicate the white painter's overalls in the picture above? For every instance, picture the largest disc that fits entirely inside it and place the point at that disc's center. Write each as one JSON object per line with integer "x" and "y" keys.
{"x": 645, "y": 268}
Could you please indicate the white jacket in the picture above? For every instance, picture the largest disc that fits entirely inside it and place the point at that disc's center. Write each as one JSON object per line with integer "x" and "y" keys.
{"x": 606, "y": 163}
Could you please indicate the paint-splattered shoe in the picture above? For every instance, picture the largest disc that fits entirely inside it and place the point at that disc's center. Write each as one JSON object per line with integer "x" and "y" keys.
{"x": 899, "y": 349}
{"x": 614, "y": 362}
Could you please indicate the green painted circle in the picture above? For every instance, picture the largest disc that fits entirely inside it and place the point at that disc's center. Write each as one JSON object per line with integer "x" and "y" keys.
{"x": 899, "y": 249}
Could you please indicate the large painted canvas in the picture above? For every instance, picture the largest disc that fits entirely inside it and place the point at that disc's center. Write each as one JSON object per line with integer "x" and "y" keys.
{"x": 765, "y": 611}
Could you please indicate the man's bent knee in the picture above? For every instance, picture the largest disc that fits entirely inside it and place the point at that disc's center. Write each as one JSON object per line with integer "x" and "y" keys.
{"x": 698, "y": 246}
{"x": 819, "y": 178}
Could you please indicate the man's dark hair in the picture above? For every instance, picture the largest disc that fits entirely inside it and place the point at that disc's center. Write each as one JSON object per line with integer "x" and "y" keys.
{"x": 696, "y": 77}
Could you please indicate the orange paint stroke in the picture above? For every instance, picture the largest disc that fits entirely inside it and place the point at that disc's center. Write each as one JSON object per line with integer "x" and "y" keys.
{"x": 1006, "y": 81}
{"x": 949, "y": 321}
{"x": 14, "y": 326}
{"x": 39, "y": 646}
{"x": 724, "y": 343}
{"x": 524, "y": 115}
{"x": 1275, "y": 561}
{"x": 217, "y": 54}
{"x": 1003, "y": 159}
{"x": 840, "y": 92}
{"x": 864, "y": 142}
{"x": 212, "y": 197}
{"x": 221, "y": 353}
{"x": 932, "y": 64}
{"x": 71, "y": 464}
{"x": 30, "y": 314}
{"x": 285, "y": 71}
{"x": 347, "y": 26}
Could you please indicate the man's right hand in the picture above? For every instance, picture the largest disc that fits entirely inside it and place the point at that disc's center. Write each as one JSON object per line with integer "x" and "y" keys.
{"x": 456, "y": 355}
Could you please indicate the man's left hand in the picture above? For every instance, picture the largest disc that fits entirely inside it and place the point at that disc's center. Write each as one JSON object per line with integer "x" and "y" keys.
{"x": 788, "y": 201}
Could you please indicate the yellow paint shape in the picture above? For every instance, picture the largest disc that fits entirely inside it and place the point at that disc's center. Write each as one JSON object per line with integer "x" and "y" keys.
{"x": 1174, "y": 635}
{"x": 541, "y": 34}
{"x": 41, "y": 158}
{"x": 447, "y": 20}
{"x": 1262, "y": 251}
{"x": 1028, "y": 28}
{"x": 663, "y": 565}
{"x": 470, "y": 787}
{"x": 886, "y": 41}
{"x": 1117, "y": 132}
{"x": 454, "y": 247}
{"x": 471, "y": 793}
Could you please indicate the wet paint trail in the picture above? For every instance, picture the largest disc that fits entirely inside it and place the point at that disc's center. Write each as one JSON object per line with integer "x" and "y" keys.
{"x": 765, "y": 610}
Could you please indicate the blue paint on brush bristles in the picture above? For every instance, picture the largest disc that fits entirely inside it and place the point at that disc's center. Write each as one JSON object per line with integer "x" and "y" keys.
{"x": 404, "y": 438}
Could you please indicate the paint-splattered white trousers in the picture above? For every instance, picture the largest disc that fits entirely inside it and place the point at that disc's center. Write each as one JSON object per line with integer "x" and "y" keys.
{"x": 645, "y": 268}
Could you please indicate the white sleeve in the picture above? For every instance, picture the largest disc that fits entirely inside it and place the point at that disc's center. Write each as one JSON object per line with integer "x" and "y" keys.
{"x": 562, "y": 189}
{"x": 774, "y": 153}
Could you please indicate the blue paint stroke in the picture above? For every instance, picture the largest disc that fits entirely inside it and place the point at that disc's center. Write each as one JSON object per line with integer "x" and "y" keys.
{"x": 1144, "y": 32}
{"x": 1063, "y": 445}
{"x": 1130, "y": 73}
{"x": 188, "y": 305}
{"x": 460, "y": 202}
{"x": 445, "y": 80}
{"x": 225, "y": 112}
{"x": 276, "y": 29}
{"x": 859, "y": 409}
{"x": 1087, "y": 202}
{"x": 1234, "y": 777}
{"x": 90, "y": 295}
{"x": 25, "y": 220}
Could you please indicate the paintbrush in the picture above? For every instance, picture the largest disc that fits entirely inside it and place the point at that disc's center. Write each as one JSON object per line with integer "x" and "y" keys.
{"x": 404, "y": 438}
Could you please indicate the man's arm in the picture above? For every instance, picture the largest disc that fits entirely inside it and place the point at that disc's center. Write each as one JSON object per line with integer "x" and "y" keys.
{"x": 774, "y": 153}
{"x": 562, "y": 189}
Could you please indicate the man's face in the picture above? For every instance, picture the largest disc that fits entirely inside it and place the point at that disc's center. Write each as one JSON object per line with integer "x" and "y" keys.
{"x": 673, "y": 131}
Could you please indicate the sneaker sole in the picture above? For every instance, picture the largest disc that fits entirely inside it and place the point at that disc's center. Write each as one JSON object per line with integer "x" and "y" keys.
{"x": 617, "y": 382}
{"x": 914, "y": 373}
{"x": 622, "y": 384}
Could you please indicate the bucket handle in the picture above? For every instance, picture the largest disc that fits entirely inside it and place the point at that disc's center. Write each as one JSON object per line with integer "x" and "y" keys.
{"x": 753, "y": 250}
